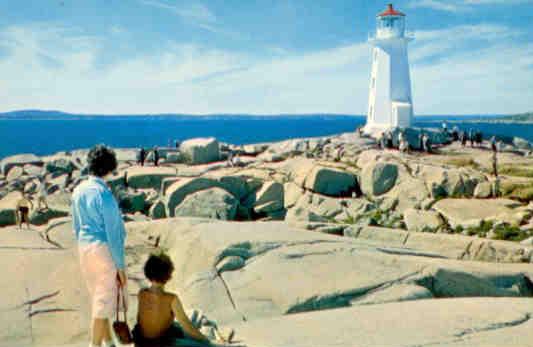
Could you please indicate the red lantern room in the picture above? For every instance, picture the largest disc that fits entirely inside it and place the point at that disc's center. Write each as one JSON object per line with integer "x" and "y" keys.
{"x": 390, "y": 23}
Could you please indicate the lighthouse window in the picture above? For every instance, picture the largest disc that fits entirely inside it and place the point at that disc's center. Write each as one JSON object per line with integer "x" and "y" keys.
{"x": 375, "y": 54}
{"x": 373, "y": 82}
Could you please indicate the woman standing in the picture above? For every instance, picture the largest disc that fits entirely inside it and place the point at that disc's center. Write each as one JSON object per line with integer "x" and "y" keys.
{"x": 100, "y": 232}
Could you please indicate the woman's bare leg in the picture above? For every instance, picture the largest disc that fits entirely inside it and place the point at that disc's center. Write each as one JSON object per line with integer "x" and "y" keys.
{"x": 100, "y": 331}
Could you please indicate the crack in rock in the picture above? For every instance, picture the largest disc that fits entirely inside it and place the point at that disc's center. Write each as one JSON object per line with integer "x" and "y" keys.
{"x": 495, "y": 326}
{"x": 50, "y": 310}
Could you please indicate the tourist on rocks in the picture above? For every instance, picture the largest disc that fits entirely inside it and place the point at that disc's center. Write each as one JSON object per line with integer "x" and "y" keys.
{"x": 100, "y": 233}
{"x": 493, "y": 144}
{"x": 125, "y": 179}
{"x": 455, "y": 133}
{"x": 426, "y": 143}
{"x": 462, "y": 138}
{"x": 479, "y": 138}
{"x": 495, "y": 163}
{"x": 421, "y": 141}
{"x": 445, "y": 127}
{"x": 42, "y": 194}
{"x": 471, "y": 137}
{"x": 161, "y": 319}
{"x": 142, "y": 156}
{"x": 404, "y": 146}
{"x": 156, "y": 156}
{"x": 390, "y": 144}
{"x": 382, "y": 141}
{"x": 230, "y": 158}
{"x": 178, "y": 143}
{"x": 22, "y": 210}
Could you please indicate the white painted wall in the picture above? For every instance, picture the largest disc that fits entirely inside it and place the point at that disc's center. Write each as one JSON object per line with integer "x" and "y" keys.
{"x": 390, "y": 70}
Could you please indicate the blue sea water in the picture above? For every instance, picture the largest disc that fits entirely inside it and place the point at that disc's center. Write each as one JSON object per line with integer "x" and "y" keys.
{"x": 49, "y": 135}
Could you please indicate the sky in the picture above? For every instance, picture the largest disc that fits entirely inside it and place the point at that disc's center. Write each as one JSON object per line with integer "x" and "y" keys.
{"x": 258, "y": 56}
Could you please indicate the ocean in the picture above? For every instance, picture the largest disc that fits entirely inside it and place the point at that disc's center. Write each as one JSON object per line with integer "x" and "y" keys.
{"x": 48, "y": 135}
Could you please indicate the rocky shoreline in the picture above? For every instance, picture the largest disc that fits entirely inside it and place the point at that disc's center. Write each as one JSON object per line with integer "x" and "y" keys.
{"x": 298, "y": 226}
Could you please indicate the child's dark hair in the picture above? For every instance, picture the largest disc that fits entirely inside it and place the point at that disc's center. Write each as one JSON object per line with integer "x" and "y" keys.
{"x": 101, "y": 160}
{"x": 158, "y": 268}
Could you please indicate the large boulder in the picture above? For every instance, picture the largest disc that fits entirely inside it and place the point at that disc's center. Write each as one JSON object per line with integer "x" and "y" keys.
{"x": 422, "y": 221}
{"x": 44, "y": 216}
{"x": 269, "y": 198}
{"x": 7, "y": 208}
{"x": 331, "y": 181}
{"x": 318, "y": 208}
{"x": 15, "y": 173}
{"x": 214, "y": 203}
{"x": 377, "y": 178}
{"x": 33, "y": 170}
{"x": 131, "y": 202}
{"x": 143, "y": 177}
{"x": 157, "y": 210}
{"x": 470, "y": 212}
{"x": 521, "y": 143}
{"x": 200, "y": 150}
{"x": 483, "y": 190}
{"x": 60, "y": 165}
{"x": 179, "y": 190}
{"x": 19, "y": 160}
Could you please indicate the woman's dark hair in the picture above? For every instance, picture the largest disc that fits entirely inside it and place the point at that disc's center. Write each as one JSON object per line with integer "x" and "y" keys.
{"x": 158, "y": 268}
{"x": 101, "y": 160}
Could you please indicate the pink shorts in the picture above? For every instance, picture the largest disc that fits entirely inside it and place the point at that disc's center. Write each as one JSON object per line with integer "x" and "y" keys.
{"x": 100, "y": 273}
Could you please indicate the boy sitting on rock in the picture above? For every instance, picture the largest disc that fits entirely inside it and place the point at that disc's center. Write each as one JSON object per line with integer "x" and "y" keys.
{"x": 161, "y": 319}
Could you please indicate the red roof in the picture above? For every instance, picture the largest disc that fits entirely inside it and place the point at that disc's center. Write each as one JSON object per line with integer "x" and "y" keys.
{"x": 390, "y": 12}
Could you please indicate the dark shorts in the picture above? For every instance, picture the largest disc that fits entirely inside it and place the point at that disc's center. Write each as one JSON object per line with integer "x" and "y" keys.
{"x": 173, "y": 333}
{"x": 24, "y": 211}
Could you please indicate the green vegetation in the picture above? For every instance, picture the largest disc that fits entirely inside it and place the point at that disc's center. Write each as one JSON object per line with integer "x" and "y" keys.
{"x": 501, "y": 231}
{"x": 377, "y": 218}
{"x": 518, "y": 191}
{"x": 517, "y": 171}
{"x": 462, "y": 161}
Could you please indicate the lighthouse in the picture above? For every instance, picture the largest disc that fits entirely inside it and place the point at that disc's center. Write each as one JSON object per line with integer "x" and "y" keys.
{"x": 389, "y": 102}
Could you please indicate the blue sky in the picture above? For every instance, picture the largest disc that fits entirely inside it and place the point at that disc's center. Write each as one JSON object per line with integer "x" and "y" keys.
{"x": 259, "y": 57}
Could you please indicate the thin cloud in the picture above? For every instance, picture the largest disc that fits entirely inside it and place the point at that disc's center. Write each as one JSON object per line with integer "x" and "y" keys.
{"x": 197, "y": 13}
{"x": 461, "y": 5}
{"x": 191, "y": 78}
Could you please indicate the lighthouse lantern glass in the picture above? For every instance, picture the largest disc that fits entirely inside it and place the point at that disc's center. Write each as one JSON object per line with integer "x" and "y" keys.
{"x": 390, "y": 26}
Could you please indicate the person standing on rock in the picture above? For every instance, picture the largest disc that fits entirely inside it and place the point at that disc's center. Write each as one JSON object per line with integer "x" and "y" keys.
{"x": 495, "y": 163}
{"x": 156, "y": 156}
{"x": 142, "y": 156}
{"x": 100, "y": 232}
{"x": 493, "y": 144}
{"x": 22, "y": 211}
{"x": 42, "y": 193}
{"x": 471, "y": 137}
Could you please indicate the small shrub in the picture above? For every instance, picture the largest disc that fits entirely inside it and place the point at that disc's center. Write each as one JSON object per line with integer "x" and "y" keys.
{"x": 510, "y": 233}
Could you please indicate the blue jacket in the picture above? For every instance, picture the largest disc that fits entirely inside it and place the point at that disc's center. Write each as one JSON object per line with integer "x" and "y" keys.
{"x": 96, "y": 218}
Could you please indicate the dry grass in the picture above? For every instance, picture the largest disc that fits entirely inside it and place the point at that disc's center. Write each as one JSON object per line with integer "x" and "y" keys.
{"x": 518, "y": 191}
{"x": 516, "y": 171}
{"x": 462, "y": 162}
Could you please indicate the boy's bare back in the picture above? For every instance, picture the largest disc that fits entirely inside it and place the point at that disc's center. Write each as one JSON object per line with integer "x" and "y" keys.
{"x": 155, "y": 312}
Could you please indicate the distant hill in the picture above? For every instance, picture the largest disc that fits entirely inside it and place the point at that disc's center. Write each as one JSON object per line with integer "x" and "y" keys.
{"x": 522, "y": 118}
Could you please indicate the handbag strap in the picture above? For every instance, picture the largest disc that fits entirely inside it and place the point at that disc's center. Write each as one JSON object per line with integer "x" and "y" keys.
{"x": 119, "y": 292}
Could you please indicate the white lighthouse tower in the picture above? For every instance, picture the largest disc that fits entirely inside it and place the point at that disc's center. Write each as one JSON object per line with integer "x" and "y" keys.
{"x": 389, "y": 101}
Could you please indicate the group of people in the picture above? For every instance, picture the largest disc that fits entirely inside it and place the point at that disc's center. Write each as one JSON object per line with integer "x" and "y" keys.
{"x": 143, "y": 154}
{"x": 386, "y": 141}
{"x": 100, "y": 233}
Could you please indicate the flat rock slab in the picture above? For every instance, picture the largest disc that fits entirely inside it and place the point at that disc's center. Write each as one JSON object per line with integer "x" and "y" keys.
{"x": 471, "y": 322}
{"x": 286, "y": 271}
{"x": 470, "y": 212}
